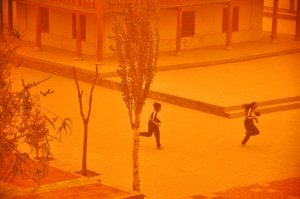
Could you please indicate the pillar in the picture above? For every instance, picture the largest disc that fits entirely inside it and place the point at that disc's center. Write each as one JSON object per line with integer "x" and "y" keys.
{"x": 179, "y": 30}
{"x": 274, "y": 22}
{"x": 10, "y": 15}
{"x": 1, "y": 22}
{"x": 291, "y": 6}
{"x": 38, "y": 32}
{"x": 78, "y": 36}
{"x": 229, "y": 26}
{"x": 100, "y": 15}
{"x": 297, "y": 34}
{"x": 78, "y": 32}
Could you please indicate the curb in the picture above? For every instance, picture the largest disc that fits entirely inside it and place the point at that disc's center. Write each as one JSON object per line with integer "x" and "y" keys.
{"x": 66, "y": 70}
{"x": 231, "y": 60}
{"x": 132, "y": 195}
{"x": 60, "y": 187}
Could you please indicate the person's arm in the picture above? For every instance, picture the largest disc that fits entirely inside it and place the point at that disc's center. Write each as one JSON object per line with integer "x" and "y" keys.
{"x": 251, "y": 115}
{"x": 256, "y": 114}
{"x": 155, "y": 120}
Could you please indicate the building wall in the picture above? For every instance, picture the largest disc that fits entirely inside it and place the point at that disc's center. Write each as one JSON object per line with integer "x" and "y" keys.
{"x": 284, "y": 4}
{"x": 206, "y": 34}
{"x": 60, "y": 34}
{"x": 208, "y": 27}
{"x": 107, "y": 33}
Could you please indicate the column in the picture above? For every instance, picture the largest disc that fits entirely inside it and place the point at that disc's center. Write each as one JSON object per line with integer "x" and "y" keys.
{"x": 78, "y": 32}
{"x": 38, "y": 32}
{"x": 291, "y": 6}
{"x": 297, "y": 34}
{"x": 100, "y": 16}
{"x": 179, "y": 28}
{"x": 10, "y": 15}
{"x": 78, "y": 37}
{"x": 229, "y": 26}
{"x": 274, "y": 23}
{"x": 1, "y": 23}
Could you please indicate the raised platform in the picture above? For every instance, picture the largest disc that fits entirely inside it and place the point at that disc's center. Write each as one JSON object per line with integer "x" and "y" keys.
{"x": 211, "y": 79}
{"x": 265, "y": 107}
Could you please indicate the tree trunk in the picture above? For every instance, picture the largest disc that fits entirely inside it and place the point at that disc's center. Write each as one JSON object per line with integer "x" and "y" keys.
{"x": 135, "y": 154}
{"x": 84, "y": 167}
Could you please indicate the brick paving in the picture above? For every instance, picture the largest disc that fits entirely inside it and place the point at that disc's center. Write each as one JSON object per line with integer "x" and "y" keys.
{"x": 202, "y": 156}
{"x": 59, "y": 184}
{"x": 280, "y": 189}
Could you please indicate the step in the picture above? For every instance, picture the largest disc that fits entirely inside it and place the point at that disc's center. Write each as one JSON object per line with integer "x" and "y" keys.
{"x": 264, "y": 103}
{"x": 266, "y": 109}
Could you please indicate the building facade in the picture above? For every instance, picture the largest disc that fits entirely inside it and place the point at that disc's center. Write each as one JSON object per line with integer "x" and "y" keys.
{"x": 288, "y": 5}
{"x": 85, "y": 26}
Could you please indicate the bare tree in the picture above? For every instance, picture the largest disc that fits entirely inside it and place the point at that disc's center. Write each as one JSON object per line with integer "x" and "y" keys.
{"x": 85, "y": 119}
{"x": 136, "y": 36}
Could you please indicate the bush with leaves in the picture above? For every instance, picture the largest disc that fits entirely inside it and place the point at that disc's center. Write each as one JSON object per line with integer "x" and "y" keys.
{"x": 24, "y": 122}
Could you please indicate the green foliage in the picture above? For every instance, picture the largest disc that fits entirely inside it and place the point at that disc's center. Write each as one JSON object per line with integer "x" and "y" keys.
{"x": 25, "y": 126}
{"x": 136, "y": 38}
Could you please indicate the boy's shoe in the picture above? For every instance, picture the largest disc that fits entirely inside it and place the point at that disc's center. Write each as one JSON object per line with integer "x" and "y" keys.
{"x": 243, "y": 145}
{"x": 160, "y": 147}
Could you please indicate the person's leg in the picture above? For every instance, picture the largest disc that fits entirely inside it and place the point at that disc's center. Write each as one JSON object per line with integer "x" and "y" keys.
{"x": 149, "y": 133}
{"x": 157, "y": 136}
{"x": 246, "y": 138}
{"x": 254, "y": 130}
{"x": 247, "y": 125}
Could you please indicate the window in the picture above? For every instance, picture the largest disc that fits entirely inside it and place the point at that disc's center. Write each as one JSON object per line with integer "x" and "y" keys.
{"x": 235, "y": 19}
{"x": 83, "y": 26}
{"x": 44, "y": 19}
{"x": 188, "y": 24}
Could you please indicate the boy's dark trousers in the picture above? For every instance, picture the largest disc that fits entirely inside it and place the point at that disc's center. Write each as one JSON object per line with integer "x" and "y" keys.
{"x": 251, "y": 130}
{"x": 152, "y": 128}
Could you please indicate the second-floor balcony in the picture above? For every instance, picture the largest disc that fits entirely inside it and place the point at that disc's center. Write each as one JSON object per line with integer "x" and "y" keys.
{"x": 91, "y": 5}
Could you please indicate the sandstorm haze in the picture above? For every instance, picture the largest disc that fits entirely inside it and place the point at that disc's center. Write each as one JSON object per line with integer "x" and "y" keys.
{"x": 214, "y": 57}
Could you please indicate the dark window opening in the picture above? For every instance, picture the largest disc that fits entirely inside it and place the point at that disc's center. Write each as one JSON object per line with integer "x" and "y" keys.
{"x": 188, "y": 24}
{"x": 83, "y": 26}
{"x": 235, "y": 19}
{"x": 44, "y": 19}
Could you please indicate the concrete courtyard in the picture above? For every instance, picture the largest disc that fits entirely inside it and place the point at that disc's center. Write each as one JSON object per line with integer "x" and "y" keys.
{"x": 202, "y": 152}
{"x": 202, "y": 156}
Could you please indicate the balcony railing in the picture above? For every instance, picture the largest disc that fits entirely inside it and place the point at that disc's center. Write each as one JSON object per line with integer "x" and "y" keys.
{"x": 92, "y": 4}
{"x": 166, "y": 3}
{"x": 88, "y": 3}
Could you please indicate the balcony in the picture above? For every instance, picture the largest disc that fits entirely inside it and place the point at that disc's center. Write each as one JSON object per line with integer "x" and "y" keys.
{"x": 91, "y": 5}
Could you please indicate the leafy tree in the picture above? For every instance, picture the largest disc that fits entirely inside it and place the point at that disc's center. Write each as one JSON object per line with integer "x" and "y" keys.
{"x": 24, "y": 122}
{"x": 85, "y": 119}
{"x": 136, "y": 36}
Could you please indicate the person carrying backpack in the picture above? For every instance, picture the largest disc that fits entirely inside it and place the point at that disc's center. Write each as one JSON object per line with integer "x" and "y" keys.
{"x": 251, "y": 129}
{"x": 153, "y": 125}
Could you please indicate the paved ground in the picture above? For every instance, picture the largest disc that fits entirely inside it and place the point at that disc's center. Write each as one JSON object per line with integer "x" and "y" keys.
{"x": 61, "y": 184}
{"x": 202, "y": 153}
{"x": 202, "y": 156}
